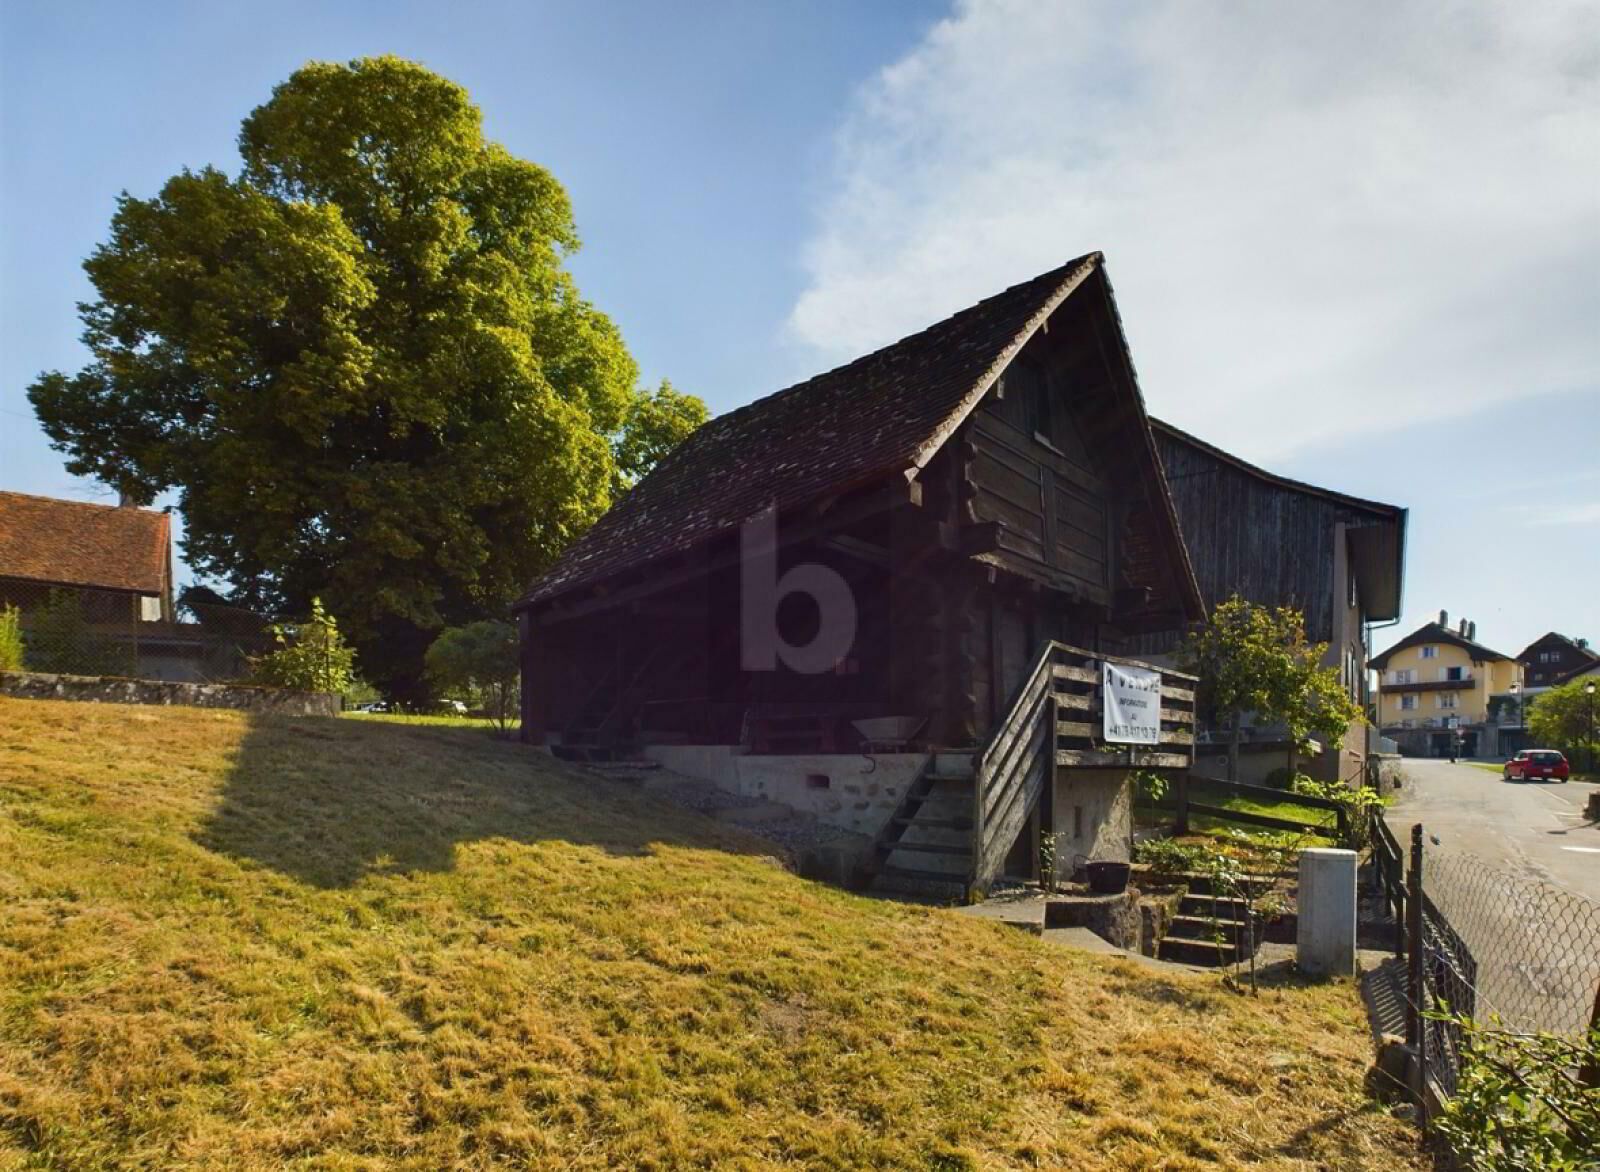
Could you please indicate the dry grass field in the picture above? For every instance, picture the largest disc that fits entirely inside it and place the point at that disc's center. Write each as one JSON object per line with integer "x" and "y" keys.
{"x": 245, "y": 942}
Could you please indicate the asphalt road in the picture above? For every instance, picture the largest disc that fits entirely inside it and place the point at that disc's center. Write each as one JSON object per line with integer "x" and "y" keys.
{"x": 1535, "y": 830}
{"x": 1515, "y": 869}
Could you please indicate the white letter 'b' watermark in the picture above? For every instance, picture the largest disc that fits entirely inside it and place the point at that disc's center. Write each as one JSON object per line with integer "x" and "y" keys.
{"x": 761, "y": 645}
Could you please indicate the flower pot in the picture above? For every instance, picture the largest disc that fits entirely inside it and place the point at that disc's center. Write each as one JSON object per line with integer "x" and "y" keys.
{"x": 1106, "y": 877}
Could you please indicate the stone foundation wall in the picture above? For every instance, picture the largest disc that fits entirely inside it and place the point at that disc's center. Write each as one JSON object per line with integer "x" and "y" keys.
{"x": 32, "y": 685}
{"x": 847, "y": 790}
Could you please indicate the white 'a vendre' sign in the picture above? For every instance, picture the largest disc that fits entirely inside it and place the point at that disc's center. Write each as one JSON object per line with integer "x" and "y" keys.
{"x": 1132, "y": 704}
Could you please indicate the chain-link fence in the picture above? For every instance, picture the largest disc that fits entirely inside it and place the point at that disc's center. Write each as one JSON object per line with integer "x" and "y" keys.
{"x": 76, "y": 630}
{"x": 1512, "y": 953}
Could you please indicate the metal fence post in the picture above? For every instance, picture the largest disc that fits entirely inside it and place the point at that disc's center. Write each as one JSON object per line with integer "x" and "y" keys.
{"x": 1416, "y": 1032}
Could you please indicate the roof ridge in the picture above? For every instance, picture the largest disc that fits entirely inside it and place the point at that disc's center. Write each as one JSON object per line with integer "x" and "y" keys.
{"x": 1060, "y": 271}
{"x": 66, "y": 500}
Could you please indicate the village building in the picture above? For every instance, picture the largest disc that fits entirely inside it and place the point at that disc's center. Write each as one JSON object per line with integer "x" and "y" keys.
{"x": 92, "y": 584}
{"x": 1278, "y": 542}
{"x": 886, "y": 595}
{"x": 1442, "y": 693}
{"x": 1553, "y": 659}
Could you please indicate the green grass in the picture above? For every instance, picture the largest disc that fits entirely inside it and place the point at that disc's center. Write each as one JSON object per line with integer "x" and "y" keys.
{"x": 266, "y": 942}
{"x": 429, "y": 720}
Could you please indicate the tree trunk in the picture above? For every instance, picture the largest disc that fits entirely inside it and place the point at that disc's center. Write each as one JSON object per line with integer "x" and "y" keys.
{"x": 1233, "y": 748}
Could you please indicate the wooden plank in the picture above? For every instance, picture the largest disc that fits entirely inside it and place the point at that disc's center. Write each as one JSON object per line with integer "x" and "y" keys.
{"x": 1068, "y": 728}
{"x": 1266, "y": 793}
{"x": 1266, "y": 821}
{"x": 1176, "y": 736}
{"x": 1145, "y": 757}
{"x": 1181, "y": 695}
{"x": 1086, "y": 701}
{"x": 1177, "y": 715}
{"x": 1081, "y": 675}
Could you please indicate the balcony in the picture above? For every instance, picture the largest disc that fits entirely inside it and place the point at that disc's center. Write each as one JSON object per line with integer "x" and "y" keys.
{"x": 1461, "y": 685}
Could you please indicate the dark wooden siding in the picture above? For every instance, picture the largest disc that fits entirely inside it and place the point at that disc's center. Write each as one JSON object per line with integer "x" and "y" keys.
{"x": 1052, "y": 511}
{"x": 1270, "y": 544}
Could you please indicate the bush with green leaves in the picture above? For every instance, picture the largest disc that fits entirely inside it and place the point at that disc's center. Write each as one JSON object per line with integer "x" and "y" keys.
{"x": 10, "y": 639}
{"x": 1362, "y": 807}
{"x": 1564, "y": 718}
{"x": 1520, "y": 1101}
{"x": 479, "y": 664}
{"x": 311, "y": 656}
{"x": 1171, "y": 857}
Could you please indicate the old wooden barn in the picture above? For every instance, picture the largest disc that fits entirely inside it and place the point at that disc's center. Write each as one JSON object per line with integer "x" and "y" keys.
{"x": 884, "y": 595}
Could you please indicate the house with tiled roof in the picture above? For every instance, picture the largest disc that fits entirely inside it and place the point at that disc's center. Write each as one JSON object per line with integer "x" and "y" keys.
{"x": 886, "y": 595}
{"x": 93, "y": 584}
{"x": 116, "y": 558}
{"x": 1436, "y": 689}
{"x": 1553, "y": 659}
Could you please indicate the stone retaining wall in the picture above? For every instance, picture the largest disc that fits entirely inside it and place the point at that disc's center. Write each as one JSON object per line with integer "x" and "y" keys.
{"x": 32, "y": 685}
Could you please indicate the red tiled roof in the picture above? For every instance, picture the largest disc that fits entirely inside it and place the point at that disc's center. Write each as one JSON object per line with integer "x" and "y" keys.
{"x": 886, "y": 412}
{"x": 74, "y": 543}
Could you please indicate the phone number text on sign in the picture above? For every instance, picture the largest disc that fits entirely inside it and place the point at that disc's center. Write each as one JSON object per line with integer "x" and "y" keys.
{"x": 1132, "y": 704}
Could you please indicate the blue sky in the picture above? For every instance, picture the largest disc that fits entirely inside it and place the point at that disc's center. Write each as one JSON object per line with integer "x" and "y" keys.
{"x": 1359, "y": 245}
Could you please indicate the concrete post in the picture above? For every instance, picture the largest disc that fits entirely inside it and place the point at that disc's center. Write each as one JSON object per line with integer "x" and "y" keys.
{"x": 1326, "y": 941}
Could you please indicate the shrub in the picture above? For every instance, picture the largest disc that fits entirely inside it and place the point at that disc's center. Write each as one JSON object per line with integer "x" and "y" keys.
{"x": 1362, "y": 807}
{"x": 1517, "y": 1103}
{"x": 311, "y": 656}
{"x": 10, "y": 639}
{"x": 1172, "y": 857}
{"x": 479, "y": 663}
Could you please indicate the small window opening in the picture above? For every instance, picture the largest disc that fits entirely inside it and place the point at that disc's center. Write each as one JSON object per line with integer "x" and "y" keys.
{"x": 818, "y": 781}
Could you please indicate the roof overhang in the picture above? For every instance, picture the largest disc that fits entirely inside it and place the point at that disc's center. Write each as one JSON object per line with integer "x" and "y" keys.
{"x": 1378, "y": 560}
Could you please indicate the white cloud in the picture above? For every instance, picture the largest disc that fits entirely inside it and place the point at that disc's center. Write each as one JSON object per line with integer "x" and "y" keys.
{"x": 1556, "y": 513}
{"x": 1319, "y": 218}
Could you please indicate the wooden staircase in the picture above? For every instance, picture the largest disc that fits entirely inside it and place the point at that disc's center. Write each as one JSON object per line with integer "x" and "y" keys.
{"x": 959, "y": 819}
{"x": 925, "y": 848}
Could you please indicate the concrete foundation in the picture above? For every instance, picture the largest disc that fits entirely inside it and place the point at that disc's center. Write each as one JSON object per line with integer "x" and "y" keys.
{"x": 1325, "y": 940}
{"x": 1093, "y": 818}
{"x": 850, "y": 791}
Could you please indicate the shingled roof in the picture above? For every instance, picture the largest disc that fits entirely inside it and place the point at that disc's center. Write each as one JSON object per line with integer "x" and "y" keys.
{"x": 74, "y": 543}
{"x": 1435, "y": 633}
{"x": 887, "y": 412}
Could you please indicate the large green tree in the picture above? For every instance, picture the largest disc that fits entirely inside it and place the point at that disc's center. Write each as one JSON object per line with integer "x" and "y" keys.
{"x": 1257, "y": 659}
{"x": 360, "y": 362}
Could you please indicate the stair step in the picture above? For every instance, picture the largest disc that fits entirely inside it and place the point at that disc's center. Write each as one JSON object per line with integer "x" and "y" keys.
{"x": 935, "y": 823}
{"x": 958, "y": 778}
{"x": 924, "y": 875}
{"x": 1221, "y": 908}
{"x": 927, "y": 848}
{"x": 1198, "y": 952}
{"x": 1194, "y": 927}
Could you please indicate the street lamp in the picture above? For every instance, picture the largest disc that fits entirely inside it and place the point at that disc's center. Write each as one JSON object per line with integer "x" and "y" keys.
{"x": 1588, "y": 690}
{"x": 1516, "y": 690}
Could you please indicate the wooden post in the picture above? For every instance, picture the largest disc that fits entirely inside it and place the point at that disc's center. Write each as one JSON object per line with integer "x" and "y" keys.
{"x": 1589, "y": 1072}
{"x": 1180, "y": 824}
{"x": 1417, "y": 992}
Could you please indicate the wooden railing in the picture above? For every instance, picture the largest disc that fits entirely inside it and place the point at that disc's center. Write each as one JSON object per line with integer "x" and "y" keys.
{"x": 1054, "y": 721}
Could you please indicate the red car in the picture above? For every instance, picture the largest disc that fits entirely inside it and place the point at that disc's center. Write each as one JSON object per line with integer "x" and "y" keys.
{"x": 1544, "y": 764}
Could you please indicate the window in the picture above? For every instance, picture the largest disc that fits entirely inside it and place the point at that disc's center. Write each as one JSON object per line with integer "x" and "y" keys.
{"x": 1403, "y": 675}
{"x": 1454, "y": 673}
{"x": 1026, "y": 401}
{"x": 1430, "y": 651}
{"x": 1448, "y": 700}
{"x": 1408, "y": 702}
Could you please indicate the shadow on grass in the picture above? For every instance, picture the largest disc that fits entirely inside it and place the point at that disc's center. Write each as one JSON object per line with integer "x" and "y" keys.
{"x": 330, "y": 802}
